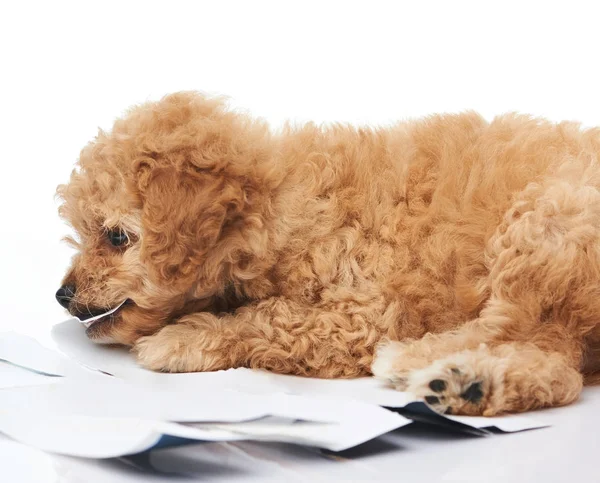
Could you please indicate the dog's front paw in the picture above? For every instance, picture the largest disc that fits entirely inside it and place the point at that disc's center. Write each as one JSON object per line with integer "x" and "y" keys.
{"x": 173, "y": 349}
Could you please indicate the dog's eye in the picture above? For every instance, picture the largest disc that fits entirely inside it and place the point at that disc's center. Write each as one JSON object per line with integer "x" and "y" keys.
{"x": 117, "y": 237}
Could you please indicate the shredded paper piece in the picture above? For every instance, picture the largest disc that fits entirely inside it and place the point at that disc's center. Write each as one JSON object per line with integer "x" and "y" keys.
{"x": 95, "y": 401}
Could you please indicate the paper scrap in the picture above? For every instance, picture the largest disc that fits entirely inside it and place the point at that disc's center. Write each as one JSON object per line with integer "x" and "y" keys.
{"x": 91, "y": 320}
{"x": 71, "y": 340}
{"x": 100, "y": 410}
{"x": 89, "y": 413}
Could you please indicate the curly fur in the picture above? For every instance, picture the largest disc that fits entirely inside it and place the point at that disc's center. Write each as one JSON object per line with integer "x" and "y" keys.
{"x": 473, "y": 246}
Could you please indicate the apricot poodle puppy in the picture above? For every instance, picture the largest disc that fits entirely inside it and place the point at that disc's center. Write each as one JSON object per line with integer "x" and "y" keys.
{"x": 455, "y": 258}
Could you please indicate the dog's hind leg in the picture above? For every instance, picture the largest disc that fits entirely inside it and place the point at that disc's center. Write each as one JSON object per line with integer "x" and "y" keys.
{"x": 544, "y": 282}
{"x": 490, "y": 380}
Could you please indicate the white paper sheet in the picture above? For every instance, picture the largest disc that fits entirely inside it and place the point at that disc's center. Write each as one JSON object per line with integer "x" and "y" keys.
{"x": 79, "y": 436}
{"x": 107, "y": 437}
{"x": 15, "y": 376}
{"x": 71, "y": 340}
{"x": 84, "y": 418}
{"x": 507, "y": 423}
{"x": 333, "y": 436}
{"x": 85, "y": 412}
{"x": 89, "y": 413}
{"x": 110, "y": 397}
{"x": 24, "y": 351}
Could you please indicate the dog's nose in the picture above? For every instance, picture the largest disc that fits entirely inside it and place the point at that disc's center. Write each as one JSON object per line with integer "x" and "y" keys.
{"x": 65, "y": 294}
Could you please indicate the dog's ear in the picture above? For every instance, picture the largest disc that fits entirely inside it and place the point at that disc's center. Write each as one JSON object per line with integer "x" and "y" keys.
{"x": 199, "y": 170}
{"x": 184, "y": 213}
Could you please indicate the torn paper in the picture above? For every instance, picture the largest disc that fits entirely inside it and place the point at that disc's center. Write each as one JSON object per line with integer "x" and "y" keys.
{"x": 117, "y": 361}
{"x": 91, "y": 320}
{"x": 97, "y": 411}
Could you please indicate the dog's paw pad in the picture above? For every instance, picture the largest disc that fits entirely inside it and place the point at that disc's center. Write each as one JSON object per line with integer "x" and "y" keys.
{"x": 438, "y": 385}
{"x": 473, "y": 394}
{"x": 448, "y": 389}
{"x": 432, "y": 400}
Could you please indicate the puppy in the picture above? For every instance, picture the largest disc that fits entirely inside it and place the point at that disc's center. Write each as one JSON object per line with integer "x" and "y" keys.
{"x": 454, "y": 258}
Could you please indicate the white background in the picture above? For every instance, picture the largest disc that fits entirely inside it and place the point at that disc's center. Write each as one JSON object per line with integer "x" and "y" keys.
{"x": 67, "y": 68}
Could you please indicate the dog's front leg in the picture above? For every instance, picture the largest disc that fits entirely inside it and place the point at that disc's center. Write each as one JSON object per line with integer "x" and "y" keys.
{"x": 275, "y": 334}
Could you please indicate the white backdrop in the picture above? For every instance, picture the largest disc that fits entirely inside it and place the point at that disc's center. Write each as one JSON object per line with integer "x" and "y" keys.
{"x": 68, "y": 67}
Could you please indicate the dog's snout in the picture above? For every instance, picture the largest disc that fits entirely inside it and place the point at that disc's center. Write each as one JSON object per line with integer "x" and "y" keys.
{"x": 65, "y": 294}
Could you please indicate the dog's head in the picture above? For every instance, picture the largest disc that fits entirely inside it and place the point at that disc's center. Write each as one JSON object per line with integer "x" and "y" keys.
{"x": 168, "y": 209}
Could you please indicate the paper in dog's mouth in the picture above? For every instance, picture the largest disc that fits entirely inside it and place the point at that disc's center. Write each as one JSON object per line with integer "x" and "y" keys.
{"x": 88, "y": 322}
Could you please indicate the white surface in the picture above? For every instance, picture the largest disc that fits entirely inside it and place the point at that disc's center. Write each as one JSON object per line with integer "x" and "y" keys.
{"x": 69, "y": 67}
{"x": 567, "y": 451}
